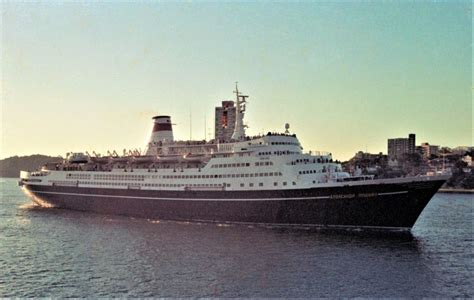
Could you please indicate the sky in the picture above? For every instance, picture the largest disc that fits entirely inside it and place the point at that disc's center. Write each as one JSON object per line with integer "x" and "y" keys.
{"x": 84, "y": 76}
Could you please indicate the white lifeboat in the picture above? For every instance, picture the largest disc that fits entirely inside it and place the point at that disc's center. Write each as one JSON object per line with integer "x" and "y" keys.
{"x": 78, "y": 158}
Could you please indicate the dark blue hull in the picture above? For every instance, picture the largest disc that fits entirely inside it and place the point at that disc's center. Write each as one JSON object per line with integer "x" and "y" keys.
{"x": 395, "y": 205}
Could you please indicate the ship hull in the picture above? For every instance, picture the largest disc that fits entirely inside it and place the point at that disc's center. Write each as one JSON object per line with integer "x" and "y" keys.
{"x": 371, "y": 205}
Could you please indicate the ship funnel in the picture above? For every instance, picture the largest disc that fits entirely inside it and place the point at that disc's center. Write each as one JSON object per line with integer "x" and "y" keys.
{"x": 162, "y": 130}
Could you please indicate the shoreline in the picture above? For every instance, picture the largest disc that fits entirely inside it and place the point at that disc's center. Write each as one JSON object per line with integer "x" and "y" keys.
{"x": 456, "y": 191}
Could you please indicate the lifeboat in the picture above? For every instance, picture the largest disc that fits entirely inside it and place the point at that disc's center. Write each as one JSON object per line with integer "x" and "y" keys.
{"x": 100, "y": 159}
{"x": 194, "y": 157}
{"x": 78, "y": 158}
{"x": 170, "y": 158}
{"x": 121, "y": 159}
{"x": 144, "y": 158}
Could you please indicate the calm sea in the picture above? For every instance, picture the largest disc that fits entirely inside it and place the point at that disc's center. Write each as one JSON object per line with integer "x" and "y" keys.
{"x": 61, "y": 253}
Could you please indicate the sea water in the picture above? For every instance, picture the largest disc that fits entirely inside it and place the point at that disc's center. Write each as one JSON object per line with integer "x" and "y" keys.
{"x": 47, "y": 252}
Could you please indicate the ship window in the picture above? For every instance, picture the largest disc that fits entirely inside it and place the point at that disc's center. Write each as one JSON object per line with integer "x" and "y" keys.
{"x": 251, "y": 184}
{"x": 242, "y": 185}
{"x": 266, "y": 174}
{"x": 275, "y": 183}
{"x": 251, "y": 174}
{"x": 228, "y": 185}
{"x": 247, "y": 164}
{"x": 246, "y": 175}
{"x": 260, "y": 184}
{"x": 294, "y": 183}
{"x": 284, "y": 182}
{"x": 261, "y": 174}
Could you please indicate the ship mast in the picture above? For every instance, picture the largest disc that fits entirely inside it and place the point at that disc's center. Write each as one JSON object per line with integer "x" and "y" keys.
{"x": 239, "y": 129}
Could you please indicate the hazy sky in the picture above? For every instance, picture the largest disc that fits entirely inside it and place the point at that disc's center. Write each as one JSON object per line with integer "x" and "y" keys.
{"x": 89, "y": 75}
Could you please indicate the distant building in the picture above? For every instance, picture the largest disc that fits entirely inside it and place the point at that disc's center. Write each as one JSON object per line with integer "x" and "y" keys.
{"x": 393, "y": 163}
{"x": 461, "y": 150}
{"x": 468, "y": 160}
{"x": 225, "y": 121}
{"x": 368, "y": 162}
{"x": 368, "y": 156}
{"x": 399, "y": 146}
{"x": 428, "y": 150}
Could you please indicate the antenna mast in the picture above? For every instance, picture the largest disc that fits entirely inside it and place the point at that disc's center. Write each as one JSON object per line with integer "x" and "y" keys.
{"x": 239, "y": 129}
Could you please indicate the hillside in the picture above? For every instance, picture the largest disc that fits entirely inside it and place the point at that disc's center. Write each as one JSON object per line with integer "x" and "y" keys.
{"x": 10, "y": 167}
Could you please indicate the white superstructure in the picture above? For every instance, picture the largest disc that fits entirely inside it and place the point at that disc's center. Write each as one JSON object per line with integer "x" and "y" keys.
{"x": 270, "y": 162}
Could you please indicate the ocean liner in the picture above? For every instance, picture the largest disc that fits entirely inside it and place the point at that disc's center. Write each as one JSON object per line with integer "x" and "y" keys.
{"x": 232, "y": 178}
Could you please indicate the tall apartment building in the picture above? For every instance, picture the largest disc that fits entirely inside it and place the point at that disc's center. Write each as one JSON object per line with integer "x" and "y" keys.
{"x": 225, "y": 121}
{"x": 399, "y": 146}
{"x": 427, "y": 150}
